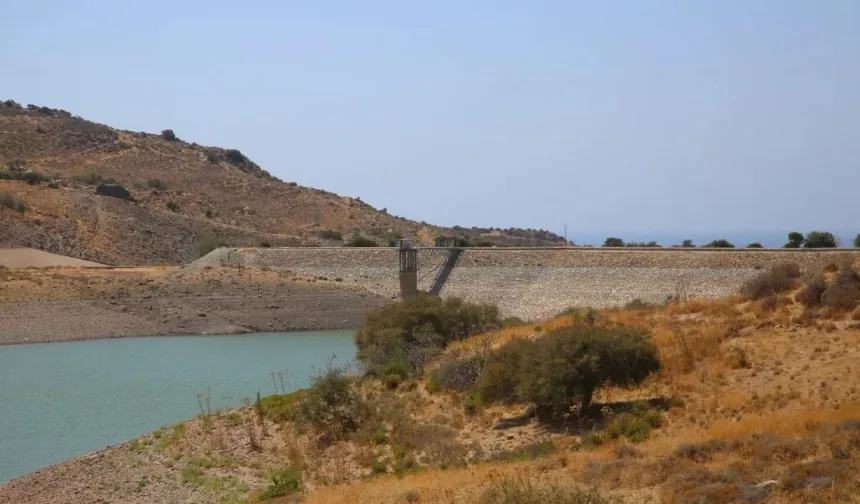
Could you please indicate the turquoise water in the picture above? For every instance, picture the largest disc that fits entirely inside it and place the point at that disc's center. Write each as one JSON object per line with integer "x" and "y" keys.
{"x": 61, "y": 400}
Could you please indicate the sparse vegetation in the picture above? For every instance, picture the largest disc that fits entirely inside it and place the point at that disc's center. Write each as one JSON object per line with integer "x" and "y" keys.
{"x": 330, "y": 234}
{"x": 94, "y": 178}
{"x": 157, "y": 184}
{"x": 523, "y": 491}
{"x": 173, "y": 206}
{"x": 776, "y": 280}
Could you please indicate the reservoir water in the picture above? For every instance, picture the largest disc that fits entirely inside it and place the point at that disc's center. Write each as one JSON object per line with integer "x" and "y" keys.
{"x": 61, "y": 400}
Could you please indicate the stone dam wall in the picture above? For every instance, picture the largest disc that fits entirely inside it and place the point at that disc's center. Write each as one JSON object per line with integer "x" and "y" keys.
{"x": 538, "y": 283}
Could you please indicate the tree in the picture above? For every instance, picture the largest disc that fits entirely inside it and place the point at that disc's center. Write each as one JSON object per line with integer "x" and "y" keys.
{"x": 687, "y": 244}
{"x": 795, "y": 240}
{"x": 169, "y": 135}
{"x": 569, "y": 364}
{"x": 720, "y": 243}
{"x": 755, "y": 245}
{"x": 857, "y": 241}
{"x": 613, "y": 242}
{"x": 819, "y": 239}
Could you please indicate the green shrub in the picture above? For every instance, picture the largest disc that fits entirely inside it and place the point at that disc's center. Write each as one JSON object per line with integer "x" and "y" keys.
{"x": 522, "y": 491}
{"x": 332, "y": 405}
{"x": 498, "y": 382}
{"x": 6, "y": 201}
{"x": 21, "y": 207}
{"x": 34, "y": 178}
{"x": 857, "y": 241}
{"x": 169, "y": 135}
{"x": 567, "y": 364}
{"x": 755, "y": 245}
{"x": 473, "y": 402}
{"x": 819, "y": 239}
{"x": 283, "y": 407}
{"x": 156, "y": 184}
{"x": 613, "y": 242}
{"x": 795, "y": 240}
{"x": 720, "y": 243}
{"x": 414, "y": 330}
{"x": 778, "y": 279}
{"x": 235, "y": 157}
{"x": 94, "y": 178}
{"x": 379, "y": 467}
{"x": 360, "y": 241}
{"x": 284, "y": 482}
{"x": 330, "y": 234}
{"x": 173, "y": 206}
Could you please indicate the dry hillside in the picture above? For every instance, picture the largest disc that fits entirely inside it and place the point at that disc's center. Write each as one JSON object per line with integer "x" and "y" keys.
{"x": 756, "y": 401}
{"x": 183, "y": 194}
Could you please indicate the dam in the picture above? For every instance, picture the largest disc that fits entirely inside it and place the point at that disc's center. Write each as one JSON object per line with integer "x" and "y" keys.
{"x": 536, "y": 283}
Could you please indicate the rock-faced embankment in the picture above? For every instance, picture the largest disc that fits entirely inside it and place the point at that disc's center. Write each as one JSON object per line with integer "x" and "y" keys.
{"x": 537, "y": 283}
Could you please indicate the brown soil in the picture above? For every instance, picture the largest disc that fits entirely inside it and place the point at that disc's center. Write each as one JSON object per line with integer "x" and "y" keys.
{"x": 32, "y": 258}
{"x": 59, "y": 304}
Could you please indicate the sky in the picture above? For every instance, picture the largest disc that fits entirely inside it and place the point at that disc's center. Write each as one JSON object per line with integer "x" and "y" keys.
{"x": 639, "y": 119}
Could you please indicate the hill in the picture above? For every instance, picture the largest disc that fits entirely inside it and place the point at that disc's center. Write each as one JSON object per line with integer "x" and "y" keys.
{"x": 185, "y": 198}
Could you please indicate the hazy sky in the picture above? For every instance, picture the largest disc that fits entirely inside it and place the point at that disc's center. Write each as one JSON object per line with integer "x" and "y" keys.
{"x": 610, "y": 117}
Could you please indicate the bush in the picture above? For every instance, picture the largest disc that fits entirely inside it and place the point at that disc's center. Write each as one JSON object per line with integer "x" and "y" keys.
{"x": 416, "y": 329}
{"x": 568, "y": 364}
{"x": 811, "y": 294}
{"x": 720, "y": 243}
{"x": 34, "y": 178}
{"x": 498, "y": 382}
{"x": 94, "y": 178}
{"x": 819, "y": 239}
{"x": 283, "y": 407}
{"x": 21, "y": 207}
{"x": 156, "y": 184}
{"x": 613, "y": 242}
{"x": 330, "y": 234}
{"x": 360, "y": 241}
{"x": 778, "y": 279}
{"x": 520, "y": 491}
{"x": 857, "y": 241}
{"x": 284, "y": 482}
{"x": 843, "y": 291}
{"x": 6, "y": 201}
{"x": 332, "y": 405}
{"x": 235, "y": 157}
{"x": 169, "y": 135}
{"x": 755, "y": 245}
{"x": 173, "y": 206}
{"x": 459, "y": 374}
{"x": 795, "y": 240}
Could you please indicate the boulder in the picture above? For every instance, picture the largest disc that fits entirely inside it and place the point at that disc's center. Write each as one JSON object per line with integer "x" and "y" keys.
{"x": 114, "y": 191}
